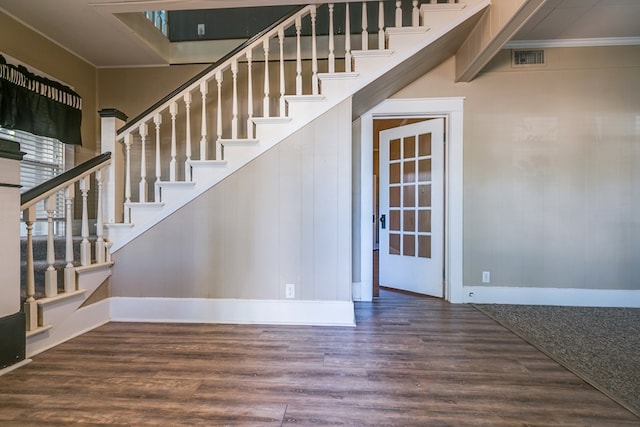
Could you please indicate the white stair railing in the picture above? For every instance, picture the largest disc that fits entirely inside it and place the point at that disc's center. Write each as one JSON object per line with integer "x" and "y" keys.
{"x": 289, "y": 51}
{"x": 45, "y": 194}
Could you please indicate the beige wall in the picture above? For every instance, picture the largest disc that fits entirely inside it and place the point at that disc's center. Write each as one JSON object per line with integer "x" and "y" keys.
{"x": 551, "y": 182}
{"x": 40, "y": 54}
{"x": 283, "y": 218}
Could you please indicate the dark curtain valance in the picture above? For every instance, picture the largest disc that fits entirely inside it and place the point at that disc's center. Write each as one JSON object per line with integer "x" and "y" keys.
{"x": 38, "y": 105}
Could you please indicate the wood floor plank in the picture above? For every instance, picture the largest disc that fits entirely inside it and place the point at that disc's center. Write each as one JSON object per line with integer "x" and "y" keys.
{"x": 409, "y": 362}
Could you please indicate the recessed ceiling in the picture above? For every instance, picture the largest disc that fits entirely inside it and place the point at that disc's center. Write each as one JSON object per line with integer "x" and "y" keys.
{"x": 89, "y": 29}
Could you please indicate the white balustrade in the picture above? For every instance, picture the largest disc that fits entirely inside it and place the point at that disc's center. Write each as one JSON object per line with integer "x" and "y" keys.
{"x": 69, "y": 272}
{"x": 365, "y": 33}
{"x": 187, "y": 148}
{"x": 173, "y": 111}
{"x": 51, "y": 275}
{"x": 142, "y": 193}
{"x": 128, "y": 141}
{"x": 234, "y": 112}
{"x": 85, "y": 245}
{"x": 314, "y": 53}
{"x": 30, "y": 305}
{"x": 265, "y": 102}
{"x": 219, "y": 116}
{"x": 157, "y": 121}
{"x": 298, "y": 24}
{"x": 100, "y": 244}
{"x": 398, "y": 14}
{"x": 332, "y": 56}
{"x": 381, "y": 35}
{"x": 249, "y": 56}
{"x": 347, "y": 40}
{"x": 281, "y": 68}
{"x": 415, "y": 14}
{"x": 203, "y": 129}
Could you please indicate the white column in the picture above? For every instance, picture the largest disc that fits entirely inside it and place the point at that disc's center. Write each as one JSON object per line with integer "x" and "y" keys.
{"x": 234, "y": 108}
{"x": 50, "y": 275}
{"x": 415, "y": 14}
{"x": 314, "y": 53}
{"x": 298, "y": 24}
{"x": 398, "y": 14}
{"x": 157, "y": 121}
{"x": 347, "y": 40}
{"x": 381, "y": 42}
{"x": 219, "y": 116}
{"x": 142, "y": 197}
{"x": 265, "y": 102}
{"x": 332, "y": 56}
{"x": 69, "y": 271}
{"x": 110, "y": 121}
{"x": 249, "y": 95}
{"x": 365, "y": 33}
{"x": 187, "y": 109}
{"x": 203, "y": 140}
{"x": 173, "y": 111}
{"x": 100, "y": 247}
{"x": 85, "y": 246}
{"x": 282, "y": 82}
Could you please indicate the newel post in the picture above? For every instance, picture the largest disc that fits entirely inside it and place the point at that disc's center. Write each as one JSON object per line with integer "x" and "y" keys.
{"x": 12, "y": 319}
{"x": 113, "y": 180}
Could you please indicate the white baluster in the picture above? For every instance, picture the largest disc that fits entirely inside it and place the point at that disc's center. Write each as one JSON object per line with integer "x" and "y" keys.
{"x": 347, "y": 40}
{"x": 219, "y": 116}
{"x": 157, "y": 121}
{"x": 398, "y": 14}
{"x": 69, "y": 272}
{"x": 314, "y": 53}
{"x": 85, "y": 246}
{"x": 298, "y": 23}
{"x": 282, "y": 82}
{"x": 332, "y": 56}
{"x": 50, "y": 276}
{"x": 143, "y": 129}
{"x": 265, "y": 103}
{"x": 365, "y": 33}
{"x": 100, "y": 248}
{"x": 30, "y": 305}
{"x": 381, "y": 43}
{"x": 234, "y": 109}
{"x": 249, "y": 95}
{"x": 203, "y": 141}
{"x": 128, "y": 140}
{"x": 415, "y": 14}
{"x": 173, "y": 110}
{"x": 187, "y": 109}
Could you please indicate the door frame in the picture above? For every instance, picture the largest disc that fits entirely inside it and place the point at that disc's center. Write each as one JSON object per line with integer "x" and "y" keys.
{"x": 452, "y": 109}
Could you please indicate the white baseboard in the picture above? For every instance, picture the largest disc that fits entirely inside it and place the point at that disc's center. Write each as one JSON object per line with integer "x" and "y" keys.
{"x": 551, "y": 296}
{"x": 203, "y": 310}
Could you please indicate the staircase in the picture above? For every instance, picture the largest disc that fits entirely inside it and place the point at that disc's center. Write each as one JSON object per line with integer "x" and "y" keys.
{"x": 235, "y": 111}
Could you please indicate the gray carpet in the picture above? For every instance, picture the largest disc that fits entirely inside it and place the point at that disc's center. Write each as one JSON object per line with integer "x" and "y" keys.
{"x": 600, "y": 345}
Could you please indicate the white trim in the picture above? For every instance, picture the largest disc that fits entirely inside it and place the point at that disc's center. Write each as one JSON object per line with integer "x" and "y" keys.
{"x": 552, "y": 296}
{"x": 452, "y": 108}
{"x": 604, "y": 41}
{"x": 239, "y": 311}
{"x": 79, "y": 322}
{"x": 14, "y": 366}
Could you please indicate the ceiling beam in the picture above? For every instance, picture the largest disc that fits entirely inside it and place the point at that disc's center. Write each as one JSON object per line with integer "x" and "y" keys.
{"x": 498, "y": 25}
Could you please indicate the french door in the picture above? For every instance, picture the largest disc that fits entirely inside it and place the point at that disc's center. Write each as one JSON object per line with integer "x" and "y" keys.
{"x": 412, "y": 207}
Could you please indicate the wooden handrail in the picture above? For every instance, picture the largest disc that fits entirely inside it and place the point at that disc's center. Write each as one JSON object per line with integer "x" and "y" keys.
{"x": 208, "y": 70}
{"x": 43, "y": 190}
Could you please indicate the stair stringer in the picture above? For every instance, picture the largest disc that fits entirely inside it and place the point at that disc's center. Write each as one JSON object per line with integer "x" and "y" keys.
{"x": 64, "y": 315}
{"x": 336, "y": 87}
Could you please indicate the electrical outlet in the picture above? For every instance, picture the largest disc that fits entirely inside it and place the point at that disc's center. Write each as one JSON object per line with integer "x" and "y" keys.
{"x": 486, "y": 277}
{"x": 200, "y": 30}
{"x": 290, "y": 290}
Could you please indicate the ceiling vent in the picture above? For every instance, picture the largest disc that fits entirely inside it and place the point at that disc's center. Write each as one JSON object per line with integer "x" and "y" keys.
{"x": 527, "y": 57}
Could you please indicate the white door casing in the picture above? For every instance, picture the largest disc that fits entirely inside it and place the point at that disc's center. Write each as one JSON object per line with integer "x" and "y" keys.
{"x": 452, "y": 109}
{"x": 411, "y": 207}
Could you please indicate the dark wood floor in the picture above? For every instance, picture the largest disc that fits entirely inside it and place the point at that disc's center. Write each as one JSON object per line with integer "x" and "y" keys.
{"x": 410, "y": 361}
